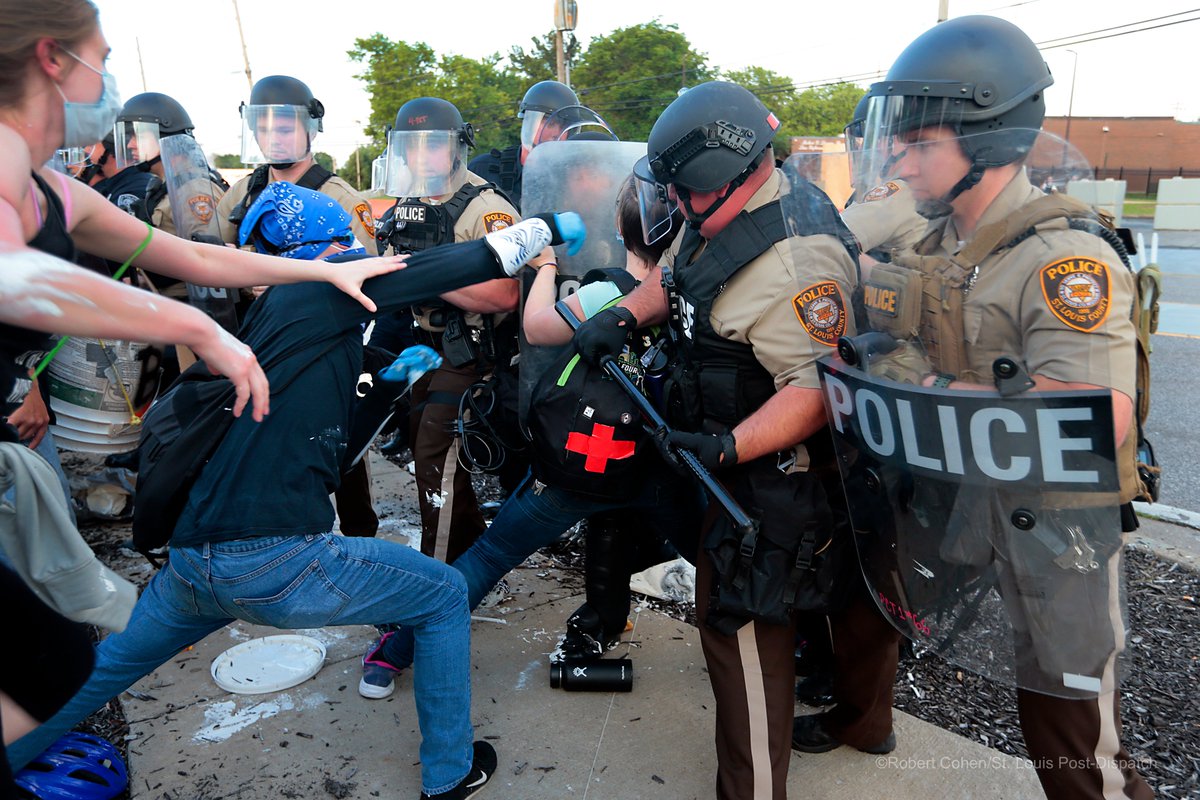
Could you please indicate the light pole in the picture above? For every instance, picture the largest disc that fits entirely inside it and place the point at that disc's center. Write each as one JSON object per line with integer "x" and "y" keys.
{"x": 565, "y": 14}
{"x": 1071, "y": 101}
{"x": 1104, "y": 148}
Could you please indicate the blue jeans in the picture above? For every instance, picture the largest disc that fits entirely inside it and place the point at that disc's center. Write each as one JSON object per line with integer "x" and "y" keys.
{"x": 529, "y": 520}
{"x": 299, "y": 582}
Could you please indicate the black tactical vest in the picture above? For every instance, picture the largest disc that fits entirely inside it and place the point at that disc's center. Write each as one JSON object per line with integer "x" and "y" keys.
{"x": 313, "y": 178}
{"x": 411, "y": 226}
{"x": 719, "y": 382}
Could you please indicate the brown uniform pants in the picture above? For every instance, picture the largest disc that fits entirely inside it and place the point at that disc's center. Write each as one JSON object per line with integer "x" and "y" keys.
{"x": 753, "y": 680}
{"x": 450, "y": 517}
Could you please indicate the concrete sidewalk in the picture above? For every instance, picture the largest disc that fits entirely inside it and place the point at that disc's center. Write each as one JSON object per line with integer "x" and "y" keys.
{"x": 191, "y": 739}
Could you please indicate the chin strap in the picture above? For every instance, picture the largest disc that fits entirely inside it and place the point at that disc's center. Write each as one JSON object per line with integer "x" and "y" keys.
{"x": 936, "y": 209}
{"x": 695, "y": 220}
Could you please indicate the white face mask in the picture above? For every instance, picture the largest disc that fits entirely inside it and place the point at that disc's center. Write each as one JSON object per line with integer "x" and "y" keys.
{"x": 87, "y": 123}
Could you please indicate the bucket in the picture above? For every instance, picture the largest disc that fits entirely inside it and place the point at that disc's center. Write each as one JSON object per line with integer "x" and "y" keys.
{"x": 92, "y": 382}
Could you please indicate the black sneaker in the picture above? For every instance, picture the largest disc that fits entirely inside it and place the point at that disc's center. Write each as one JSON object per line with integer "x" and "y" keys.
{"x": 482, "y": 770}
{"x": 809, "y": 735}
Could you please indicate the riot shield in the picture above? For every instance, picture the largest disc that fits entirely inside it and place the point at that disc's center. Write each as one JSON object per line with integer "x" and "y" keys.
{"x": 194, "y": 211}
{"x": 985, "y": 504}
{"x": 581, "y": 176}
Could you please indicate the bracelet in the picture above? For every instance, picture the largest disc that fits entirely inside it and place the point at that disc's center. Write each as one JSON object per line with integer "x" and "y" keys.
{"x": 547, "y": 264}
{"x": 942, "y": 380}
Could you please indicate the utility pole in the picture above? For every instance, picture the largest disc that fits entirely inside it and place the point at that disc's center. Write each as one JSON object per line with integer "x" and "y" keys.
{"x": 245, "y": 57}
{"x": 357, "y": 169}
{"x": 1071, "y": 102}
{"x": 565, "y": 15}
{"x": 141, "y": 65}
{"x": 943, "y": 10}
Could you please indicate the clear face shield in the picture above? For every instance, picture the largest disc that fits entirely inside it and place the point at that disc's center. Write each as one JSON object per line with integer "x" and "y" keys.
{"x": 656, "y": 207}
{"x": 135, "y": 142}
{"x": 531, "y": 129}
{"x": 425, "y": 163}
{"x": 985, "y": 518}
{"x": 379, "y": 174}
{"x": 277, "y": 134}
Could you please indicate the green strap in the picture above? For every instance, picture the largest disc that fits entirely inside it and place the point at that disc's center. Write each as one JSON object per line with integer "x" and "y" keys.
{"x": 46, "y": 359}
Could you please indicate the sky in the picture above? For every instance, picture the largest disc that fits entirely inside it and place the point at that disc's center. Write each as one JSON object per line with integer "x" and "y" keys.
{"x": 191, "y": 51}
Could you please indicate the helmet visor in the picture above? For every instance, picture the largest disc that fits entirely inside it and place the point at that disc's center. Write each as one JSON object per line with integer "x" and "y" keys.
{"x": 425, "y": 163}
{"x": 532, "y": 133}
{"x": 135, "y": 142}
{"x": 379, "y": 174}
{"x": 276, "y": 134}
{"x": 653, "y": 204}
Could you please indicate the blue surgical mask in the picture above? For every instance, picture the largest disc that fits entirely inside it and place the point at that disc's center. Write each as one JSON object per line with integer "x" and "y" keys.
{"x": 87, "y": 123}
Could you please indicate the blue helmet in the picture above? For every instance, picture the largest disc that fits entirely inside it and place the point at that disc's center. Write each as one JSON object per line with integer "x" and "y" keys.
{"x": 78, "y": 766}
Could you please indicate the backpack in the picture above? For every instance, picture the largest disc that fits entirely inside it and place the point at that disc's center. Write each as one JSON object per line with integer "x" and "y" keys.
{"x": 180, "y": 433}
{"x": 587, "y": 432}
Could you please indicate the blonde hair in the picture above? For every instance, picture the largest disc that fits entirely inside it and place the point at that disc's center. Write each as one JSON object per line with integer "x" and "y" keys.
{"x": 23, "y": 23}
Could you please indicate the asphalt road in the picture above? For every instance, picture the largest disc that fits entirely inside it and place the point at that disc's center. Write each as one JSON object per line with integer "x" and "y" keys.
{"x": 1175, "y": 369}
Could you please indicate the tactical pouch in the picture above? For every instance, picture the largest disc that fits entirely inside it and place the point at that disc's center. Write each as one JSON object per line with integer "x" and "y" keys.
{"x": 798, "y": 560}
{"x": 942, "y": 321}
{"x": 459, "y": 345}
{"x": 892, "y": 296}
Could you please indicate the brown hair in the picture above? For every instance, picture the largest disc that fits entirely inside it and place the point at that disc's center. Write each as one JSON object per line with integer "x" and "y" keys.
{"x": 629, "y": 224}
{"x": 23, "y": 23}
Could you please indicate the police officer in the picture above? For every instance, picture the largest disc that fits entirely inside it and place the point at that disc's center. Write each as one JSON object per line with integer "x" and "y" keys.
{"x": 278, "y": 127}
{"x": 439, "y": 201}
{"x": 503, "y": 167}
{"x": 960, "y": 147}
{"x": 144, "y": 121}
{"x": 754, "y": 406}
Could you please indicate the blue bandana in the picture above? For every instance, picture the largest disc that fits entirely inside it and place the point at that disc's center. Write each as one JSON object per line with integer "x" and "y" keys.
{"x": 291, "y": 221}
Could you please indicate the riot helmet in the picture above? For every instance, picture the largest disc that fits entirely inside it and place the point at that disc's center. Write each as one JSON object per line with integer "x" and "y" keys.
{"x": 427, "y": 149}
{"x": 280, "y": 122}
{"x": 713, "y": 135}
{"x": 572, "y": 122}
{"x": 980, "y": 77}
{"x": 542, "y": 99}
{"x": 144, "y": 120}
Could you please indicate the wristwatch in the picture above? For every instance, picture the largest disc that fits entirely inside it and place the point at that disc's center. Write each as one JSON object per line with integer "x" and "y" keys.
{"x": 943, "y": 380}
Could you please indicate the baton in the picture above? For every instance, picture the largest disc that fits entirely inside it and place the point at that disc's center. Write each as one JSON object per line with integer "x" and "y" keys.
{"x": 741, "y": 520}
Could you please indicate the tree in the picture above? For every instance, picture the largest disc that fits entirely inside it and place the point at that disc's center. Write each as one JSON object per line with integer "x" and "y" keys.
{"x": 325, "y": 160}
{"x": 356, "y": 171}
{"x": 227, "y": 161}
{"x": 819, "y": 111}
{"x": 632, "y": 74}
{"x": 399, "y": 71}
{"x": 541, "y": 62}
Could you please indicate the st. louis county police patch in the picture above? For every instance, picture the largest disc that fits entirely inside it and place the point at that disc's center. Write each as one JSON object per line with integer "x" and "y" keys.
{"x": 1077, "y": 291}
{"x": 822, "y": 312}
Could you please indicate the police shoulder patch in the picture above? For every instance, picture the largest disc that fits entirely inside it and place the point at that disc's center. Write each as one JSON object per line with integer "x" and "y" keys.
{"x": 497, "y": 220}
{"x": 880, "y": 192}
{"x": 1077, "y": 291}
{"x": 822, "y": 312}
{"x": 363, "y": 212}
{"x": 202, "y": 208}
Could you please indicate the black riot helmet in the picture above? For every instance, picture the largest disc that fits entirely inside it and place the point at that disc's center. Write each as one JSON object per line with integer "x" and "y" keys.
{"x": 158, "y": 108}
{"x": 981, "y": 76}
{"x": 427, "y": 149}
{"x": 547, "y": 97}
{"x": 280, "y": 121}
{"x": 143, "y": 121}
{"x": 434, "y": 114}
{"x": 713, "y": 134}
{"x": 854, "y": 128}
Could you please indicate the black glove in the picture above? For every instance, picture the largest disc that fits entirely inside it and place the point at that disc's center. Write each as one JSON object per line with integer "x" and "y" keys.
{"x": 715, "y": 451}
{"x": 604, "y": 334}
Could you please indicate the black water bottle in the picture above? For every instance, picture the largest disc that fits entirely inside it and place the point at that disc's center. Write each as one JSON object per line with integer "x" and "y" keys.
{"x": 602, "y": 675}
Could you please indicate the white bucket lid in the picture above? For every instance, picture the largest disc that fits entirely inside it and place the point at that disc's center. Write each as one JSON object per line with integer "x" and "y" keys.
{"x": 269, "y": 664}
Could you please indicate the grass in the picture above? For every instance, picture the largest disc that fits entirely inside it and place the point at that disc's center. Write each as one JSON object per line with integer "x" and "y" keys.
{"x": 1138, "y": 204}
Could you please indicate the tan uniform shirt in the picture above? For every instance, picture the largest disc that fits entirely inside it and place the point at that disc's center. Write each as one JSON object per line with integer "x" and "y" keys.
{"x": 362, "y": 221}
{"x": 163, "y": 219}
{"x": 1058, "y": 302}
{"x": 791, "y": 303}
{"x": 488, "y": 212}
{"x": 886, "y": 218}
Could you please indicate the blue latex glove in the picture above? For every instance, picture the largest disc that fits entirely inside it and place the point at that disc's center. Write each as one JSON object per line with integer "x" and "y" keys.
{"x": 572, "y": 230}
{"x": 411, "y": 364}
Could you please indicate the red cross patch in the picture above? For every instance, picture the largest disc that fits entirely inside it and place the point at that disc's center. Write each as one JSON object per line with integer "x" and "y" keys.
{"x": 599, "y": 447}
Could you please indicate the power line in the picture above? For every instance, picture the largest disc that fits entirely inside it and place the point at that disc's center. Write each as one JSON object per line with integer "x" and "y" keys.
{"x": 1075, "y": 41}
{"x": 1115, "y": 27}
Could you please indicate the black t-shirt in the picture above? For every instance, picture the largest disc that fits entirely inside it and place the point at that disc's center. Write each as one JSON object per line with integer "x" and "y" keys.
{"x": 274, "y": 478}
